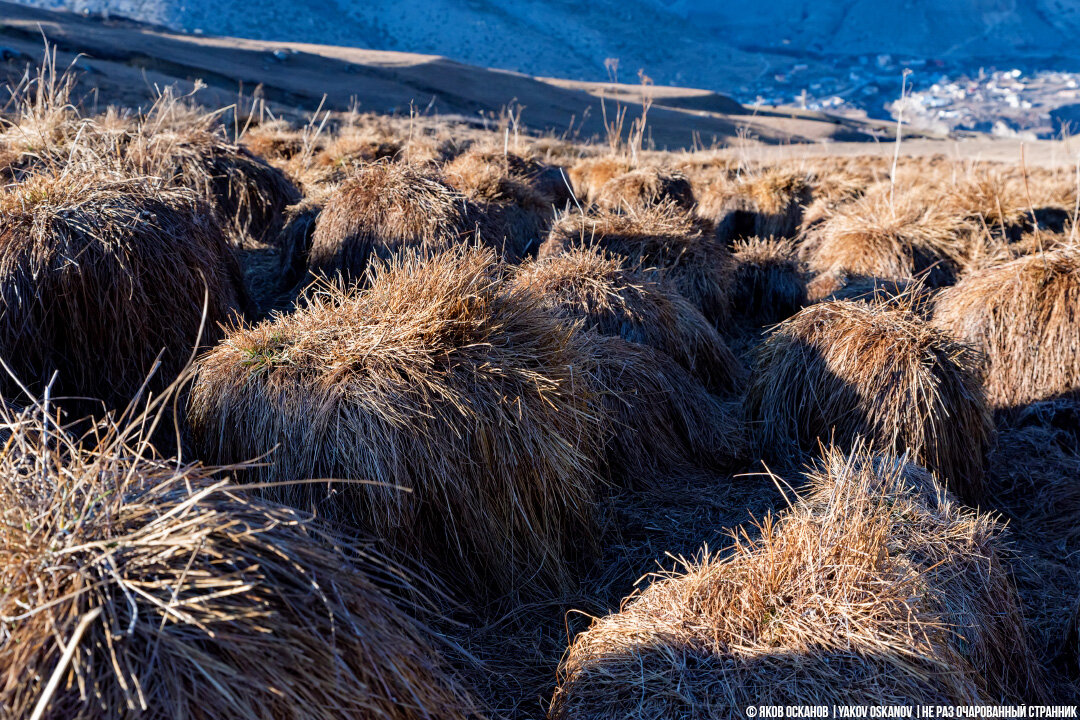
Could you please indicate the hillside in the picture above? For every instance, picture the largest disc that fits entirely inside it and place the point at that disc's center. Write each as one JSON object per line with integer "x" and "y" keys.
{"x": 127, "y": 59}
{"x": 721, "y": 46}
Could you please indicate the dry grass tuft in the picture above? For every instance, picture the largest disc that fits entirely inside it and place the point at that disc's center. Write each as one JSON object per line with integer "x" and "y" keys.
{"x": 385, "y": 208}
{"x": 608, "y": 296}
{"x": 915, "y": 236}
{"x": 643, "y": 188}
{"x": 767, "y": 202}
{"x": 1025, "y": 315}
{"x": 877, "y": 589}
{"x": 590, "y": 174}
{"x": 519, "y": 195}
{"x": 662, "y": 420}
{"x": 98, "y": 276}
{"x": 843, "y": 370}
{"x": 438, "y": 378}
{"x": 248, "y": 196}
{"x": 177, "y": 595}
{"x": 770, "y": 283}
{"x": 680, "y": 248}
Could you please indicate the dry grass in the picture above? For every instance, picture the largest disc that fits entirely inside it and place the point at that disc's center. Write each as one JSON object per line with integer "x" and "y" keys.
{"x": 767, "y": 202}
{"x": 517, "y": 194}
{"x": 175, "y": 594}
{"x": 439, "y": 378}
{"x": 661, "y": 420}
{"x": 844, "y": 370}
{"x": 610, "y": 297}
{"x": 877, "y": 589}
{"x": 248, "y": 196}
{"x": 770, "y": 282}
{"x": 590, "y": 174}
{"x": 385, "y": 208}
{"x": 913, "y": 236}
{"x": 644, "y": 188}
{"x": 1025, "y": 315}
{"x": 682, "y": 250}
{"x": 99, "y": 276}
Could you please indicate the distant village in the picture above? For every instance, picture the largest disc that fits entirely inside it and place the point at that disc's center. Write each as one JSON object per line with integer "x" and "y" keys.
{"x": 940, "y": 96}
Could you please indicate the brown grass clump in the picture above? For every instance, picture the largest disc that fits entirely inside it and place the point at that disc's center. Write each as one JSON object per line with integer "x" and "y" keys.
{"x": 353, "y": 146}
{"x": 98, "y": 276}
{"x": 383, "y": 209}
{"x": 877, "y": 589}
{"x": 275, "y": 141}
{"x": 643, "y": 188}
{"x": 136, "y": 587}
{"x": 843, "y": 370}
{"x": 662, "y": 420}
{"x": 765, "y": 203}
{"x": 915, "y": 236}
{"x": 682, "y": 249}
{"x": 590, "y": 174}
{"x": 831, "y": 189}
{"x": 248, "y": 196}
{"x": 511, "y": 190}
{"x": 613, "y": 299}
{"x": 440, "y": 379}
{"x": 770, "y": 283}
{"x": 1025, "y": 315}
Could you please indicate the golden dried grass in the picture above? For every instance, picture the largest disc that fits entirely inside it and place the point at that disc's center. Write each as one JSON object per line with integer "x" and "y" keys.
{"x": 140, "y": 587}
{"x": 876, "y": 589}
{"x": 438, "y": 378}
{"x": 1025, "y": 316}
{"x": 679, "y": 248}
{"x": 845, "y": 370}
{"x": 911, "y": 236}
{"x": 98, "y": 276}
{"x": 385, "y": 208}
{"x": 643, "y": 188}
{"x": 612, "y": 298}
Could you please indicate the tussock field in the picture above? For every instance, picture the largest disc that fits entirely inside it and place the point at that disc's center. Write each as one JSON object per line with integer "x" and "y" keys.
{"x": 401, "y": 417}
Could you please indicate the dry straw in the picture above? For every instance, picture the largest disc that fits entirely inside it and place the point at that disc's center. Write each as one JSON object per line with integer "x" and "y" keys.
{"x": 385, "y": 208}
{"x": 136, "y": 587}
{"x": 438, "y": 379}
{"x": 643, "y": 188}
{"x": 590, "y": 174}
{"x": 517, "y": 195}
{"x": 1025, "y": 315}
{"x": 766, "y": 202}
{"x": 99, "y": 276}
{"x": 912, "y": 236}
{"x": 770, "y": 282}
{"x": 189, "y": 149}
{"x": 877, "y": 589}
{"x": 661, "y": 421}
{"x": 601, "y": 290}
{"x": 664, "y": 240}
{"x": 844, "y": 370}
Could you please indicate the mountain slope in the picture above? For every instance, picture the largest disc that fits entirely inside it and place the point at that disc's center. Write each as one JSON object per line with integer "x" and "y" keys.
{"x": 715, "y": 44}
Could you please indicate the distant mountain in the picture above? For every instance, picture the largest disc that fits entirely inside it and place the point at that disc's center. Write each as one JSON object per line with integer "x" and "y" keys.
{"x": 716, "y": 44}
